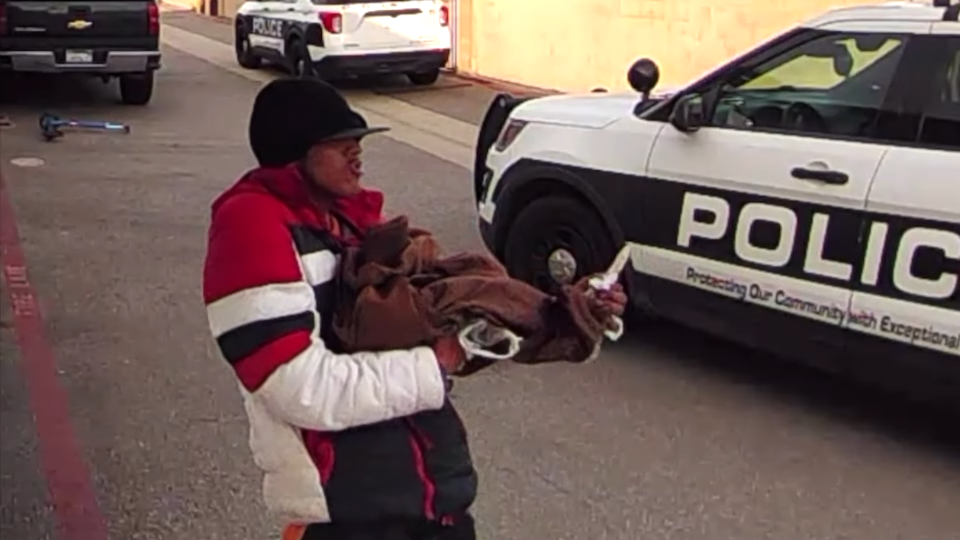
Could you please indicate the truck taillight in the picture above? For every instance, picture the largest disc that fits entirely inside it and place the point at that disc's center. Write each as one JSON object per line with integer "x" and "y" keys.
{"x": 444, "y": 15}
{"x": 153, "y": 18}
{"x": 332, "y": 22}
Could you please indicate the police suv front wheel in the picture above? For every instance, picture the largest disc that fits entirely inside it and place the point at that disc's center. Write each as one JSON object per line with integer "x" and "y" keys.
{"x": 245, "y": 55}
{"x": 555, "y": 241}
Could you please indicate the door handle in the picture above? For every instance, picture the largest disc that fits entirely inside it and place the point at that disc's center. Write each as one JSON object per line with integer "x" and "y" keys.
{"x": 834, "y": 178}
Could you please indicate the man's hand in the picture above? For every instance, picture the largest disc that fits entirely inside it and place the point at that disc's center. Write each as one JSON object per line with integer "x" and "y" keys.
{"x": 604, "y": 304}
{"x": 610, "y": 302}
{"x": 450, "y": 355}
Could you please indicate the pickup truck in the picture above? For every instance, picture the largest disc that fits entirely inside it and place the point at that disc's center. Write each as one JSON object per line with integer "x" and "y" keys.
{"x": 104, "y": 38}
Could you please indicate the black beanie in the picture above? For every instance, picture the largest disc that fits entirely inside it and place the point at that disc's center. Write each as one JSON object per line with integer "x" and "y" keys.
{"x": 291, "y": 115}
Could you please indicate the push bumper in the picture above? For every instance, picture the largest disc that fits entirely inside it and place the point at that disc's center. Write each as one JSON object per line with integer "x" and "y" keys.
{"x": 382, "y": 63}
{"x": 102, "y": 62}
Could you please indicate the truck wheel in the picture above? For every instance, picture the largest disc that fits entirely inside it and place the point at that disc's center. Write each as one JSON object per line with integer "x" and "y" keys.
{"x": 245, "y": 56}
{"x": 136, "y": 89}
{"x": 425, "y": 78}
{"x": 555, "y": 241}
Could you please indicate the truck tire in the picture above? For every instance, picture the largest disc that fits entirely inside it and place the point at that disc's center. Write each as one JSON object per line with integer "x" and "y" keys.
{"x": 136, "y": 89}
{"x": 425, "y": 78}
{"x": 559, "y": 227}
{"x": 245, "y": 56}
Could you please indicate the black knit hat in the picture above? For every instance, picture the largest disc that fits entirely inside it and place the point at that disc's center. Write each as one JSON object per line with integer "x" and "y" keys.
{"x": 291, "y": 115}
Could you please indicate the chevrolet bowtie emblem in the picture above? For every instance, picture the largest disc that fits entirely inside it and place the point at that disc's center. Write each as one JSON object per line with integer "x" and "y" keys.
{"x": 79, "y": 24}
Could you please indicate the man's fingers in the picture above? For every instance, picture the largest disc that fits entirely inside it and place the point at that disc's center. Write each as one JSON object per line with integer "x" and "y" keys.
{"x": 615, "y": 296}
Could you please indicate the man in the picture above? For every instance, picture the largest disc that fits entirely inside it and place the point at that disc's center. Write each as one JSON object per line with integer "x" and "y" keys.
{"x": 353, "y": 446}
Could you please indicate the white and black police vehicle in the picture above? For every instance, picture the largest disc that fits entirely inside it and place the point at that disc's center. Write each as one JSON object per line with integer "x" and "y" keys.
{"x": 344, "y": 38}
{"x": 803, "y": 198}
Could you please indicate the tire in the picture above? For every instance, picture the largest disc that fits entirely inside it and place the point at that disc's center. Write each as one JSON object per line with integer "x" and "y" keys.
{"x": 136, "y": 89}
{"x": 245, "y": 55}
{"x": 425, "y": 78}
{"x": 550, "y": 224}
{"x": 295, "y": 55}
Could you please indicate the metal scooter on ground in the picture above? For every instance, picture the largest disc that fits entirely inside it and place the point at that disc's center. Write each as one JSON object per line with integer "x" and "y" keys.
{"x": 51, "y": 126}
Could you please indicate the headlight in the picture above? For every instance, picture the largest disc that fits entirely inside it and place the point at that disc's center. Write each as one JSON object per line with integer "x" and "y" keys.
{"x": 509, "y": 134}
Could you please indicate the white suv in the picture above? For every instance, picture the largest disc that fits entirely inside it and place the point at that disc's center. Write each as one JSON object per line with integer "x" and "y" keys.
{"x": 803, "y": 198}
{"x": 342, "y": 38}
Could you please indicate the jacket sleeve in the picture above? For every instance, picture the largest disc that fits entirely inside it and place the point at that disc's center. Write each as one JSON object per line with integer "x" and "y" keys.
{"x": 260, "y": 291}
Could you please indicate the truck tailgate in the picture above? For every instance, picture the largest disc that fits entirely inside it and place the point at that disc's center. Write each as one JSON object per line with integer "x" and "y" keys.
{"x": 78, "y": 19}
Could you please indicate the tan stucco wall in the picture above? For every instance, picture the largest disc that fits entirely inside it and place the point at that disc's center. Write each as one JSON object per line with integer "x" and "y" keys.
{"x": 575, "y": 45}
{"x": 228, "y": 8}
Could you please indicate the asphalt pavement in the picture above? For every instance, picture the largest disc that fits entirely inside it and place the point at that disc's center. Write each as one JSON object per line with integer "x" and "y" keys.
{"x": 671, "y": 435}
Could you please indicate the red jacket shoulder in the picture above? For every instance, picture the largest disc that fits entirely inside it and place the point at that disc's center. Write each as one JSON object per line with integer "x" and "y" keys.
{"x": 249, "y": 245}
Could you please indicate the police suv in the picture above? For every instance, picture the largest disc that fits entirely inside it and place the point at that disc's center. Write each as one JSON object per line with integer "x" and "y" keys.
{"x": 803, "y": 198}
{"x": 341, "y": 38}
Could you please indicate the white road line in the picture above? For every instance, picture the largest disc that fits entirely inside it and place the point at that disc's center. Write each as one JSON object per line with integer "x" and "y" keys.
{"x": 444, "y": 137}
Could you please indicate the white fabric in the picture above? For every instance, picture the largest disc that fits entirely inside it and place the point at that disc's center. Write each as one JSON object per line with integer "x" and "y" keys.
{"x": 259, "y": 304}
{"x": 319, "y": 267}
{"x": 479, "y": 336}
{"x": 323, "y": 391}
{"x": 615, "y": 333}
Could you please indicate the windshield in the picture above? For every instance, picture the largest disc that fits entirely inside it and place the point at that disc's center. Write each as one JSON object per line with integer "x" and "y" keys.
{"x": 811, "y": 69}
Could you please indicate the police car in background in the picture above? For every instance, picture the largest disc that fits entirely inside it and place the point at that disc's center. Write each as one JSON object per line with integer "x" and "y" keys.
{"x": 803, "y": 198}
{"x": 341, "y": 38}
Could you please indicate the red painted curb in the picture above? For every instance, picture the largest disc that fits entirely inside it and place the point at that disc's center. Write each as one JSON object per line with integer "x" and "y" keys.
{"x": 61, "y": 457}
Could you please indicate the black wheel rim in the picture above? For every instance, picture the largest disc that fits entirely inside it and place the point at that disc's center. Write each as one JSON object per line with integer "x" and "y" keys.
{"x": 559, "y": 237}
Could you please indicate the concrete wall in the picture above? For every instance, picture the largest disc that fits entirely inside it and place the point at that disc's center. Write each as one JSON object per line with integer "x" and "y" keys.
{"x": 225, "y": 8}
{"x": 575, "y": 45}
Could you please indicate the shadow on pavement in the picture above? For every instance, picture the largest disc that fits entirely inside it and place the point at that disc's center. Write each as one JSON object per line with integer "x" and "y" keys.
{"x": 31, "y": 91}
{"x": 929, "y": 427}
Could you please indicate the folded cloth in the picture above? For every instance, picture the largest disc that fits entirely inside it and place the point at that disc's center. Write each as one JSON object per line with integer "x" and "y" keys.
{"x": 396, "y": 291}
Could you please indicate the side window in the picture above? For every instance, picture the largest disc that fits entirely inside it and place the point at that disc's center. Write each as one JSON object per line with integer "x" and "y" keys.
{"x": 940, "y": 124}
{"x": 832, "y": 85}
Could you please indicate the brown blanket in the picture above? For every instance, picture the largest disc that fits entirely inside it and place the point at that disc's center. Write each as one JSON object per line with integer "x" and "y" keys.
{"x": 396, "y": 291}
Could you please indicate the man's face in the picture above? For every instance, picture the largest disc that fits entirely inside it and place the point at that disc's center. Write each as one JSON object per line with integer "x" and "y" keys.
{"x": 336, "y": 167}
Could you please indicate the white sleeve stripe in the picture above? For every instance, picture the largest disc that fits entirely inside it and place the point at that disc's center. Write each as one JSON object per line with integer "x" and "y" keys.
{"x": 322, "y": 391}
{"x": 259, "y": 304}
{"x": 319, "y": 267}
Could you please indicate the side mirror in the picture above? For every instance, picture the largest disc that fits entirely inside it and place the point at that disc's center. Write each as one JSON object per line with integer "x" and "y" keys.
{"x": 842, "y": 62}
{"x": 687, "y": 115}
{"x": 643, "y": 76}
